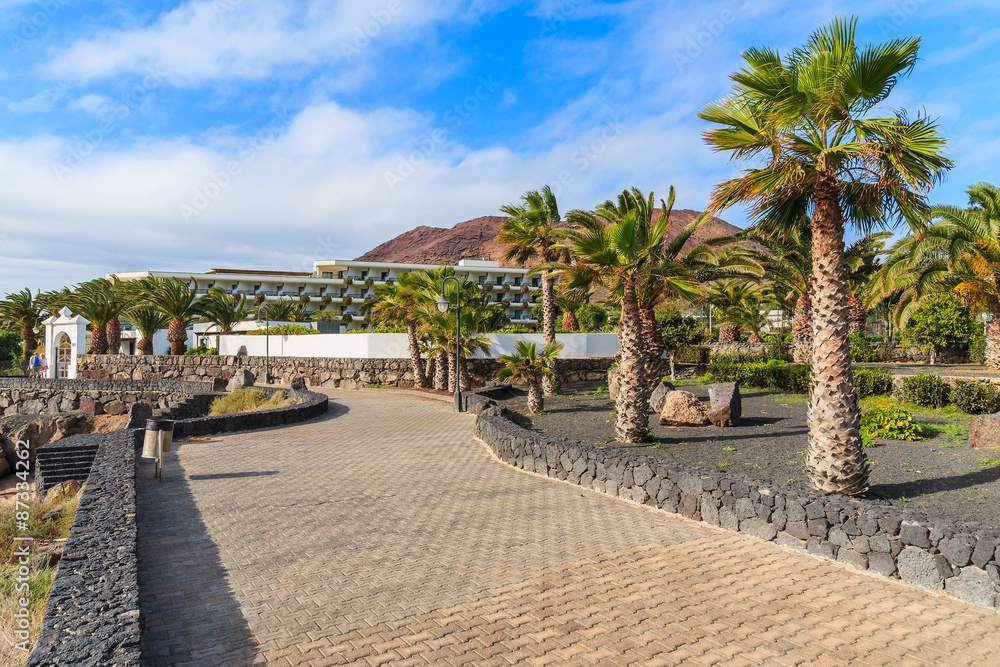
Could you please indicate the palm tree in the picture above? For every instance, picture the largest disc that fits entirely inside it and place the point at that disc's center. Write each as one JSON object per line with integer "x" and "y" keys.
{"x": 527, "y": 364}
{"x": 147, "y": 321}
{"x": 960, "y": 254}
{"x": 100, "y": 301}
{"x": 741, "y": 305}
{"x": 177, "y": 300}
{"x": 282, "y": 310}
{"x": 224, "y": 310}
{"x": 533, "y": 241}
{"x": 616, "y": 246}
{"x": 569, "y": 302}
{"x": 822, "y": 156}
{"x": 404, "y": 300}
{"x": 22, "y": 311}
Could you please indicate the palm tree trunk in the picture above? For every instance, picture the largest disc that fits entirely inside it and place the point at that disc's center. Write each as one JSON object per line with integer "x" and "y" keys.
{"x": 177, "y": 335}
{"x": 145, "y": 345}
{"x": 550, "y": 384}
{"x": 857, "y": 314}
{"x": 632, "y": 402}
{"x": 570, "y": 322}
{"x": 452, "y": 372}
{"x": 835, "y": 461}
{"x": 99, "y": 340}
{"x": 653, "y": 346}
{"x": 729, "y": 333}
{"x": 419, "y": 377}
{"x": 114, "y": 330}
{"x": 536, "y": 400}
{"x": 466, "y": 383}
{"x": 28, "y": 342}
{"x": 441, "y": 371}
{"x": 992, "y": 354}
{"x": 802, "y": 334}
{"x": 430, "y": 369}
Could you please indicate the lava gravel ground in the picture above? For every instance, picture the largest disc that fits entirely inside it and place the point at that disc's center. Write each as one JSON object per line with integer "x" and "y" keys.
{"x": 940, "y": 474}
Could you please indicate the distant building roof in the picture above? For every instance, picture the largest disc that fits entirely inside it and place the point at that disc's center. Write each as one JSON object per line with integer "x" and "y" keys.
{"x": 253, "y": 272}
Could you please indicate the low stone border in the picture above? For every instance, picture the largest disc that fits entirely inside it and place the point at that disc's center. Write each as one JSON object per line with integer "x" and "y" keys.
{"x": 928, "y": 551}
{"x": 93, "y": 615}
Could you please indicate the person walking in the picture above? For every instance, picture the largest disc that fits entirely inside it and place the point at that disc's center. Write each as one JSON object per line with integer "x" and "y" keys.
{"x": 33, "y": 365}
{"x": 43, "y": 365}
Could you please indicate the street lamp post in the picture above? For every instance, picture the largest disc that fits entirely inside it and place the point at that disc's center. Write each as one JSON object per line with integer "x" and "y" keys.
{"x": 443, "y": 307}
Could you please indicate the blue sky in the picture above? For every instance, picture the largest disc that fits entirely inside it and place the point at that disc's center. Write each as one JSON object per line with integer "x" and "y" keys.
{"x": 269, "y": 133}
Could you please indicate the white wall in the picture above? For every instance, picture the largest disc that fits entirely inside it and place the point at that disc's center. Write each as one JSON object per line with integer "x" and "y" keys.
{"x": 395, "y": 346}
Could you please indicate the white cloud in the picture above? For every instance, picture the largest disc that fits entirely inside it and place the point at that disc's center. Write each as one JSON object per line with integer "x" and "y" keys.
{"x": 97, "y": 105}
{"x": 38, "y": 103}
{"x": 206, "y": 40}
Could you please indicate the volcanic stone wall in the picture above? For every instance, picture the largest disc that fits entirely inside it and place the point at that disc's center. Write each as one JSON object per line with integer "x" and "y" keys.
{"x": 960, "y": 558}
{"x": 26, "y": 396}
{"x": 318, "y": 371}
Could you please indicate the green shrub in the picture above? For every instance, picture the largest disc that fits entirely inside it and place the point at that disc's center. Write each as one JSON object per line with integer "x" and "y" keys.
{"x": 862, "y": 350}
{"x": 201, "y": 351}
{"x": 926, "y": 389}
{"x": 775, "y": 375}
{"x": 285, "y": 330}
{"x": 889, "y": 422}
{"x": 694, "y": 354}
{"x": 872, "y": 381}
{"x": 378, "y": 330}
{"x": 977, "y": 347}
{"x": 515, "y": 329}
{"x": 976, "y": 397}
{"x": 10, "y": 345}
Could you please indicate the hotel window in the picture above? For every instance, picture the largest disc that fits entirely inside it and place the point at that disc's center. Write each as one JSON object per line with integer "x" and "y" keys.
{"x": 328, "y": 274}
{"x": 517, "y": 314}
{"x": 517, "y": 281}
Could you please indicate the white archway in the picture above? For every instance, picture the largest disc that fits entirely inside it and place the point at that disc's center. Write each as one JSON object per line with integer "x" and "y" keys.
{"x": 64, "y": 336}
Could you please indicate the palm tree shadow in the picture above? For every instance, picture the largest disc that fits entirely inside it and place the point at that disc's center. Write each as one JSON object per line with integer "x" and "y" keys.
{"x": 189, "y": 608}
{"x": 928, "y": 485}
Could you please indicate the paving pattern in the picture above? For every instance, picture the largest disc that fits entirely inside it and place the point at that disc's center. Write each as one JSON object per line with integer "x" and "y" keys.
{"x": 383, "y": 534}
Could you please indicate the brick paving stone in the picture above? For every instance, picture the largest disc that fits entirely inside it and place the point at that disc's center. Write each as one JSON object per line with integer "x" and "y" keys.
{"x": 384, "y": 534}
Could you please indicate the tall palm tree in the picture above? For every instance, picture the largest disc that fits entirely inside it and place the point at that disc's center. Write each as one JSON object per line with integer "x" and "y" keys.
{"x": 223, "y": 310}
{"x": 147, "y": 321}
{"x": 533, "y": 241}
{"x": 569, "y": 302}
{"x": 100, "y": 301}
{"x": 805, "y": 117}
{"x": 616, "y": 246}
{"x": 177, "y": 300}
{"x": 404, "y": 301}
{"x": 527, "y": 363}
{"x": 23, "y": 311}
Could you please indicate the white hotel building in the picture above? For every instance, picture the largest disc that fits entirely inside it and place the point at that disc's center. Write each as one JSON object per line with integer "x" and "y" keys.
{"x": 342, "y": 286}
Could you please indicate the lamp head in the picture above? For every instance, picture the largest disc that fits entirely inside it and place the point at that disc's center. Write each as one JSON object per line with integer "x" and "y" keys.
{"x": 442, "y": 305}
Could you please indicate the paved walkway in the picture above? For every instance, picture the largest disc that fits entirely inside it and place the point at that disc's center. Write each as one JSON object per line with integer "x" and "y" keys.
{"x": 383, "y": 534}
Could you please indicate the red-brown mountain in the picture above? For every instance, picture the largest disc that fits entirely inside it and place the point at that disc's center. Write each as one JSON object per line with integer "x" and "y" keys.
{"x": 477, "y": 239}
